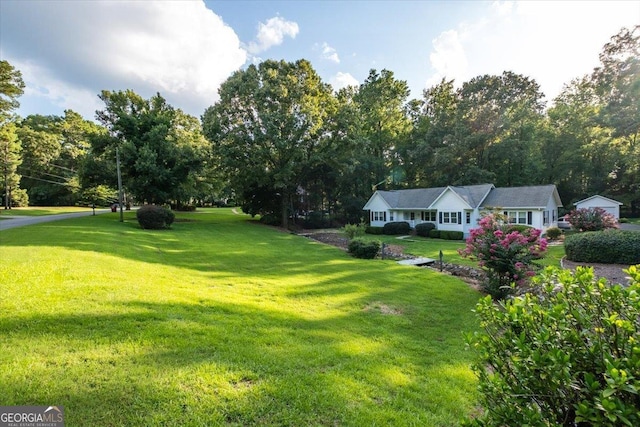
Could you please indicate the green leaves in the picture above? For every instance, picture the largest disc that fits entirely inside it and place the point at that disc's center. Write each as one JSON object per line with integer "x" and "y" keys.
{"x": 568, "y": 355}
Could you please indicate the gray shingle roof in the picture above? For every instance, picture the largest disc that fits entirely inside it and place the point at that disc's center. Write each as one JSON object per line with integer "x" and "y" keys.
{"x": 419, "y": 198}
{"x": 536, "y": 196}
{"x": 515, "y": 197}
{"x": 473, "y": 194}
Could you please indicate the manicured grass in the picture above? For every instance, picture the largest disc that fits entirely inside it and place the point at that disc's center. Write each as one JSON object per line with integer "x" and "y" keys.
{"x": 222, "y": 321}
{"x": 41, "y": 210}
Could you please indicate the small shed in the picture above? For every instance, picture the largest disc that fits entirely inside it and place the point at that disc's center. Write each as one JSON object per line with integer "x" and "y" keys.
{"x": 609, "y": 205}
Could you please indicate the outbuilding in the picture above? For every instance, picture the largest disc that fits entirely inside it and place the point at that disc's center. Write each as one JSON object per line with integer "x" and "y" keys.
{"x": 609, "y": 205}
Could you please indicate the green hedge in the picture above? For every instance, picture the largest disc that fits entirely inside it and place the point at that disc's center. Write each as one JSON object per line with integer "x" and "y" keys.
{"x": 518, "y": 227}
{"x": 360, "y": 248}
{"x": 607, "y": 247}
{"x": 434, "y": 234}
{"x": 451, "y": 235}
{"x": 374, "y": 230}
{"x": 424, "y": 228}
{"x": 153, "y": 217}
{"x": 396, "y": 228}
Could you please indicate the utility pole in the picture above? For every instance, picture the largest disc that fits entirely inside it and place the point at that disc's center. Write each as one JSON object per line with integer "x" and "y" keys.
{"x": 119, "y": 185}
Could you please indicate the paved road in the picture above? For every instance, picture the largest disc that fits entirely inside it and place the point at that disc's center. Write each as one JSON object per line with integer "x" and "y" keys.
{"x": 19, "y": 221}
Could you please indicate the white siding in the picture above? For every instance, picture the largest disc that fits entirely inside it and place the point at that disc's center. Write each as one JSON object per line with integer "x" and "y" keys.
{"x": 377, "y": 204}
{"x": 448, "y": 203}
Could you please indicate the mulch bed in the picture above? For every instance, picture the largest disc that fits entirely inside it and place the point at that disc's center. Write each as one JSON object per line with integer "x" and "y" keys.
{"x": 612, "y": 272}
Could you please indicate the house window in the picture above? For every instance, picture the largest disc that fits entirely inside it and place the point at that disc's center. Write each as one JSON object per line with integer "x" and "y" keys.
{"x": 545, "y": 217}
{"x": 450, "y": 217}
{"x": 413, "y": 216}
{"x": 429, "y": 216}
{"x": 468, "y": 217}
{"x": 391, "y": 216}
{"x": 519, "y": 217}
{"x": 378, "y": 216}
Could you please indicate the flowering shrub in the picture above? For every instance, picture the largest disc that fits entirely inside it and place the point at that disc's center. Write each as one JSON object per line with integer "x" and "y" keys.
{"x": 566, "y": 357}
{"x": 591, "y": 219}
{"x": 506, "y": 256}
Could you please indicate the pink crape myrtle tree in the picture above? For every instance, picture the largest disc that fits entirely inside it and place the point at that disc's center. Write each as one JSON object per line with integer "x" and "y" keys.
{"x": 506, "y": 253}
{"x": 591, "y": 219}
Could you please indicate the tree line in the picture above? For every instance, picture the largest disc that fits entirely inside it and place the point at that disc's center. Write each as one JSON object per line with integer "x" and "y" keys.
{"x": 281, "y": 142}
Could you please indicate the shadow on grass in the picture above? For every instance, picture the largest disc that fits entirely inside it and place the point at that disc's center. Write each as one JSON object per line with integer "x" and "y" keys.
{"x": 309, "y": 336}
{"x": 157, "y": 363}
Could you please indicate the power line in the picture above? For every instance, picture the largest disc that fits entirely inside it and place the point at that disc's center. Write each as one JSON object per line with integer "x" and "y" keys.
{"x": 49, "y": 181}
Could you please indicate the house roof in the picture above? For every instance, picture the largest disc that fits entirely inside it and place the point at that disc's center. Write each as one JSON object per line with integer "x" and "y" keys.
{"x": 417, "y": 198}
{"x": 536, "y": 196}
{"x": 474, "y": 195}
{"x": 597, "y": 196}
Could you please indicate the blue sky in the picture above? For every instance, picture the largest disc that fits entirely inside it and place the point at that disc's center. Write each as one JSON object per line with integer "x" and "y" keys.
{"x": 68, "y": 51}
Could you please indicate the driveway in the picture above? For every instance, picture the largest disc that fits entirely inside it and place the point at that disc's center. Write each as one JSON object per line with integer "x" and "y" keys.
{"x": 633, "y": 227}
{"x": 20, "y": 221}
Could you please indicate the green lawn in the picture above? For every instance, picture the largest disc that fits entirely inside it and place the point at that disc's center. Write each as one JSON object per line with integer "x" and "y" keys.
{"x": 222, "y": 321}
{"x": 40, "y": 211}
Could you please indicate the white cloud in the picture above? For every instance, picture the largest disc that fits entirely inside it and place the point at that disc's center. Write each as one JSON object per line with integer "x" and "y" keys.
{"x": 181, "y": 49}
{"x": 448, "y": 58}
{"x": 551, "y": 42}
{"x": 330, "y": 53}
{"x": 341, "y": 80}
{"x": 272, "y": 33}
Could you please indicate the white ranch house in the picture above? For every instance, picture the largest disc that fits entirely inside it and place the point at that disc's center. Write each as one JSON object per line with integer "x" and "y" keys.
{"x": 609, "y": 205}
{"x": 459, "y": 208}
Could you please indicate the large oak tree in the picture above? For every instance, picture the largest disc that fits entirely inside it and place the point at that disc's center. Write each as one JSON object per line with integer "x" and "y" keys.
{"x": 266, "y": 130}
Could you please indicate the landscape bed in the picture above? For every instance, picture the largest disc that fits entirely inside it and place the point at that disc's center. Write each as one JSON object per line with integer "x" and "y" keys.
{"x": 222, "y": 321}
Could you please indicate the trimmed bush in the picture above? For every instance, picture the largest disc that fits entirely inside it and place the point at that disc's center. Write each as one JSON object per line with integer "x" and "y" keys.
{"x": 154, "y": 217}
{"x": 364, "y": 249}
{"x": 455, "y": 235}
{"x": 396, "y": 228}
{"x": 374, "y": 230}
{"x": 607, "y": 247}
{"x": 424, "y": 228}
{"x": 434, "y": 234}
{"x": 566, "y": 357}
{"x": 553, "y": 233}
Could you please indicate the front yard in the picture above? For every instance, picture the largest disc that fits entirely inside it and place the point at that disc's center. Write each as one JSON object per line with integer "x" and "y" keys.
{"x": 221, "y": 321}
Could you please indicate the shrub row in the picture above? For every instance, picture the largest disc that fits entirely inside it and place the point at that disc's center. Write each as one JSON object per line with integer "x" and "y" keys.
{"x": 446, "y": 235}
{"x": 360, "y": 248}
{"x": 425, "y": 228}
{"x": 374, "y": 230}
{"x": 607, "y": 247}
{"x": 396, "y": 228}
{"x": 154, "y": 217}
